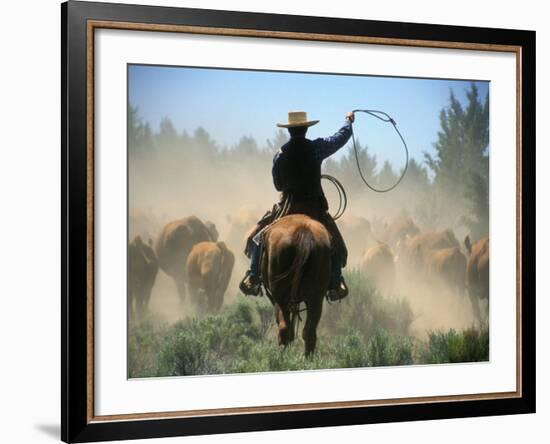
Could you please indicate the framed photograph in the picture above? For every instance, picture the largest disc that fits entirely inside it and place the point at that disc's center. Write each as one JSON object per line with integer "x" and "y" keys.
{"x": 275, "y": 221}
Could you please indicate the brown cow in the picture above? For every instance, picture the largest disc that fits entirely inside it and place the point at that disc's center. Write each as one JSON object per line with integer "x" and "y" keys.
{"x": 477, "y": 272}
{"x": 379, "y": 267}
{"x": 399, "y": 230}
{"x": 174, "y": 244}
{"x": 209, "y": 268}
{"x": 435, "y": 255}
{"x": 413, "y": 250}
{"x": 449, "y": 266}
{"x": 142, "y": 271}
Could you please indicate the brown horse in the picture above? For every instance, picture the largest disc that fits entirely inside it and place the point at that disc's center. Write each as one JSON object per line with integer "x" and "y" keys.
{"x": 295, "y": 269}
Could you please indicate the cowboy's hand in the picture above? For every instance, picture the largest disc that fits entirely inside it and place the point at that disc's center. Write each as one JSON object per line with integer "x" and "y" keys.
{"x": 350, "y": 116}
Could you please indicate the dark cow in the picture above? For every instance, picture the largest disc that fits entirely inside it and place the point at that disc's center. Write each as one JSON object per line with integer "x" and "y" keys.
{"x": 477, "y": 272}
{"x": 175, "y": 242}
{"x": 142, "y": 272}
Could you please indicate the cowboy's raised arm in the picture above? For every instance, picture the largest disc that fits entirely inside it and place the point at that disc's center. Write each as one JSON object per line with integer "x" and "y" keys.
{"x": 326, "y": 146}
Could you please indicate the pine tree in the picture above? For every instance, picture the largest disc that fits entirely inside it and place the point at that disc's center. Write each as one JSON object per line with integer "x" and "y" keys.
{"x": 416, "y": 177}
{"x": 462, "y": 156}
{"x": 462, "y": 145}
{"x": 204, "y": 145}
{"x": 478, "y": 197}
{"x": 277, "y": 141}
{"x": 346, "y": 168}
{"x": 247, "y": 147}
{"x": 140, "y": 137}
{"x": 168, "y": 136}
{"x": 386, "y": 178}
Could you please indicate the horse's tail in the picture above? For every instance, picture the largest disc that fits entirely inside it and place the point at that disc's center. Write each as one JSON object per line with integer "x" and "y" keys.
{"x": 304, "y": 243}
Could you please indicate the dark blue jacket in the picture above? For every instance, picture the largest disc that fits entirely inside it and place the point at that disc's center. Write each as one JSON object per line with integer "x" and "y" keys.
{"x": 297, "y": 165}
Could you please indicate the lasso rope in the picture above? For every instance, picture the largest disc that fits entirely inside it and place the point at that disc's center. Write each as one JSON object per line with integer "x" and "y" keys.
{"x": 384, "y": 117}
{"x": 342, "y": 197}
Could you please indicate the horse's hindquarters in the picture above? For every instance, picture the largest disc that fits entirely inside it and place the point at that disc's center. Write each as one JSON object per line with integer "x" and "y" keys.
{"x": 296, "y": 268}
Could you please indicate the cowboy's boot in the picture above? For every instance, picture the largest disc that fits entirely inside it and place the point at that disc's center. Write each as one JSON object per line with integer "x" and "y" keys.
{"x": 252, "y": 284}
{"x": 338, "y": 292}
{"x": 338, "y": 289}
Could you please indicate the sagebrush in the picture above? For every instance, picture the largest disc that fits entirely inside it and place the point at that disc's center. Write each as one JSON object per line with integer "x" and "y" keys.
{"x": 363, "y": 330}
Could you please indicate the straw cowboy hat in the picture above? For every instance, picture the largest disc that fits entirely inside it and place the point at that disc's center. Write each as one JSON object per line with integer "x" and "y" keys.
{"x": 297, "y": 118}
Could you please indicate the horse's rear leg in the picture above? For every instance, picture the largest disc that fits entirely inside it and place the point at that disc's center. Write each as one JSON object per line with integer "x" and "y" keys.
{"x": 309, "y": 333}
{"x": 286, "y": 332}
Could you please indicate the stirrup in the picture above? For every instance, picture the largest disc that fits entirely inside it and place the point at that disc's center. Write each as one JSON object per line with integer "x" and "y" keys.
{"x": 338, "y": 293}
{"x": 250, "y": 288}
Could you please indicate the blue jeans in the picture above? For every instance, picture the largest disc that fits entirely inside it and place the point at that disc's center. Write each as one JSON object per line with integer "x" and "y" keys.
{"x": 336, "y": 270}
{"x": 255, "y": 251}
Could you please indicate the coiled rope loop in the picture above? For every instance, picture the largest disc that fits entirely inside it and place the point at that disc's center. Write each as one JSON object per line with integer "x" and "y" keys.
{"x": 342, "y": 197}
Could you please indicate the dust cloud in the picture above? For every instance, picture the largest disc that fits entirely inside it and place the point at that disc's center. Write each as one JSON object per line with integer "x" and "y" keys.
{"x": 232, "y": 187}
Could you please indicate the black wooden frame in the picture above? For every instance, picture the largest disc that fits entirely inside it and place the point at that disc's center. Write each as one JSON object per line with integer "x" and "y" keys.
{"x": 75, "y": 423}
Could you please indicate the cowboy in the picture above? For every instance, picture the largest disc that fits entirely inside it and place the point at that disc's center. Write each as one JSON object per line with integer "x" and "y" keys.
{"x": 297, "y": 174}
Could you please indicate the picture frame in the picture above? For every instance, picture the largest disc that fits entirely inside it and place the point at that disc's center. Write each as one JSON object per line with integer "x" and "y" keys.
{"x": 79, "y": 180}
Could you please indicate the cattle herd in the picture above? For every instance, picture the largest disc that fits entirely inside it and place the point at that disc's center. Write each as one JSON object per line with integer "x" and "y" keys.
{"x": 403, "y": 254}
{"x": 393, "y": 255}
{"x": 189, "y": 252}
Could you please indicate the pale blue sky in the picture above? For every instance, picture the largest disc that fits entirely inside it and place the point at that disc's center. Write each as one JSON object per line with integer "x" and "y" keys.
{"x": 230, "y": 104}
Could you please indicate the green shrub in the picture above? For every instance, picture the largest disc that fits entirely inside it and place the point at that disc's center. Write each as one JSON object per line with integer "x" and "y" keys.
{"x": 185, "y": 353}
{"x": 363, "y": 330}
{"x": 476, "y": 345}
{"x": 351, "y": 351}
{"x": 366, "y": 310}
{"x": 385, "y": 350}
{"x": 144, "y": 339}
{"x": 208, "y": 345}
{"x": 470, "y": 345}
